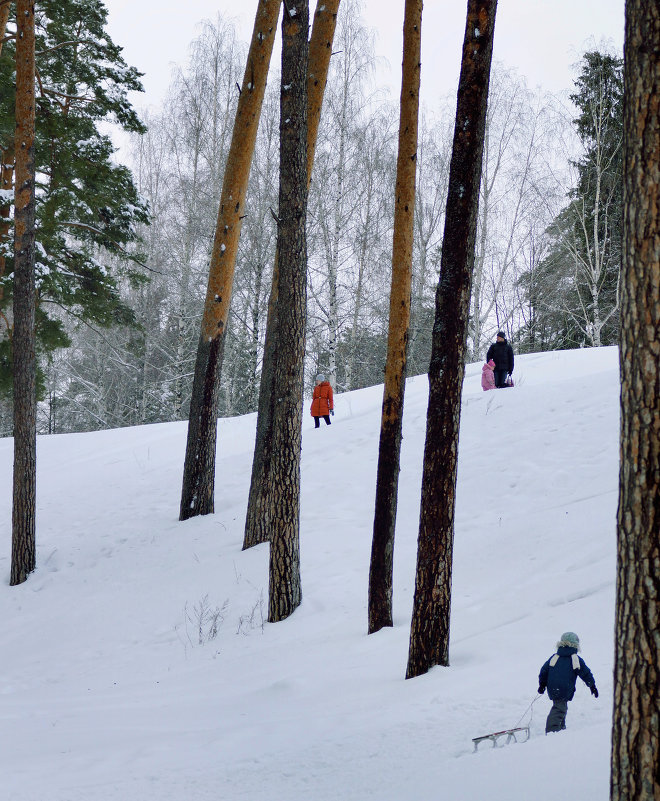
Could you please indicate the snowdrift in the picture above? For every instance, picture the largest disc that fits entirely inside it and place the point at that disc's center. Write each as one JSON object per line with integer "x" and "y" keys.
{"x": 137, "y": 663}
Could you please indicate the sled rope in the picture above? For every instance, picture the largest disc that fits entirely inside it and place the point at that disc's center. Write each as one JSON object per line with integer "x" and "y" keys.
{"x": 529, "y": 709}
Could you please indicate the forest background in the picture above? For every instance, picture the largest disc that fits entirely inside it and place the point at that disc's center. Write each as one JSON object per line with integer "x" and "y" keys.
{"x": 548, "y": 244}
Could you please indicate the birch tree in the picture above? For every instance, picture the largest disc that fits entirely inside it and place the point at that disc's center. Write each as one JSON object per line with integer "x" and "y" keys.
{"x": 433, "y": 156}
{"x": 334, "y": 196}
{"x": 515, "y": 200}
{"x": 197, "y": 124}
{"x": 582, "y": 265}
{"x": 254, "y": 269}
{"x": 369, "y": 242}
{"x": 130, "y": 376}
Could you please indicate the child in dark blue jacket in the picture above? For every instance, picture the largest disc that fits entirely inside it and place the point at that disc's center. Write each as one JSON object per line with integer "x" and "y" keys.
{"x": 559, "y": 675}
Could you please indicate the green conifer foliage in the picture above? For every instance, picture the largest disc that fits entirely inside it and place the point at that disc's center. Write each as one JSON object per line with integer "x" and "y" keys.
{"x": 87, "y": 205}
{"x": 575, "y": 293}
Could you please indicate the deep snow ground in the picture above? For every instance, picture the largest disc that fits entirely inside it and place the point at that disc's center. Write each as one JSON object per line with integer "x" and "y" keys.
{"x": 106, "y": 693}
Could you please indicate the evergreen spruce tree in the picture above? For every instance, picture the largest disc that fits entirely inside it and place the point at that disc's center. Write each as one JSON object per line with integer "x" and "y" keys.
{"x": 87, "y": 206}
{"x": 579, "y": 279}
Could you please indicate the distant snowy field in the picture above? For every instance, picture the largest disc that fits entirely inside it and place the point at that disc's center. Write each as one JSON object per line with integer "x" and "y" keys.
{"x": 107, "y": 695}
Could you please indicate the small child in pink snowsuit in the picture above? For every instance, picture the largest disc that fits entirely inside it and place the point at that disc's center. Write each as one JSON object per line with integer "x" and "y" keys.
{"x": 488, "y": 376}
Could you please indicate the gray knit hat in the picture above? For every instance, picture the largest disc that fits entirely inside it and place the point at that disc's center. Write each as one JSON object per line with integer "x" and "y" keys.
{"x": 569, "y": 639}
{"x": 320, "y": 378}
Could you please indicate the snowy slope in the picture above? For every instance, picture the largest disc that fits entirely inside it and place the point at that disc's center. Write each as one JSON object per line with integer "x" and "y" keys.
{"x": 106, "y": 693}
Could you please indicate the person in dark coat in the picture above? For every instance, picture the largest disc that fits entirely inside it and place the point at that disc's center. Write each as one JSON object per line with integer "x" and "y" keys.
{"x": 502, "y": 354}
{"x": 559, "y": 675}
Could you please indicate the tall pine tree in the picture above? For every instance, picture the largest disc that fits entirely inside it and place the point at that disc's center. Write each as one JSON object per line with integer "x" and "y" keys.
{"x": 284, "y": 588}
{"x": 429, "y": 630}
{"x": 86, "y": 205}
{"x": 23, "y": 548}
{"x": 389, "y": 452}
{"x": 635, "y": 721}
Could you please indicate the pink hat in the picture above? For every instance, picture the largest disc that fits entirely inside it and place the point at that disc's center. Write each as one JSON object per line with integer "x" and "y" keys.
{"x": 491, "y": 363}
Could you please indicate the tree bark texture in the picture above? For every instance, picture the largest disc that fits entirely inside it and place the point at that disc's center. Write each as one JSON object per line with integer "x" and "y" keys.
{"x": 284, "y": 496}
{"x": 23, "y": 553}
{"x": 6, "y": 179}
{"x": 387, "y": 479}
{"x": 4, "y": 19}
{"x": 6, "y": 184}
{"x": 199, "y": 466}
{"x": 636, "y": 720}
{"x": 429, "y": 632}
{"x": 257, "y": 522}
{"x": 320, "y": 51}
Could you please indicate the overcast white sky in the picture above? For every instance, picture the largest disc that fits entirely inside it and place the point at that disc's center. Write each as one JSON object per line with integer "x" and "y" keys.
{"x": 542, "y": 39}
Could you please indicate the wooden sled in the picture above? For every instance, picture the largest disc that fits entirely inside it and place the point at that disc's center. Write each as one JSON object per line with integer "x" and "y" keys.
{"x": 510, "y": 734}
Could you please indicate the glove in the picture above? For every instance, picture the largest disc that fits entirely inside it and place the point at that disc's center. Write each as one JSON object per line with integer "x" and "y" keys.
{"x": 541, "y": 690}
{"x": 594, "y": 691}
{"x": 332, "y": 412}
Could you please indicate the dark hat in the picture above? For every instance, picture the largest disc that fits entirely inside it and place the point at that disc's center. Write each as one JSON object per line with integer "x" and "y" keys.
{"x": 501, "y": 334}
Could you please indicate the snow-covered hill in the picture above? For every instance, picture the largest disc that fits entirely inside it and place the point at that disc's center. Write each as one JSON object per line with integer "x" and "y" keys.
{"x": 106, "y": 693}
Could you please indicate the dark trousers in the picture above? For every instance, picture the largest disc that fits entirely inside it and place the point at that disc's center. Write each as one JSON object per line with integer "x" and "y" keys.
{"x": 317, "y": 420}
{"x": 500, "y": 378}
{"x": 557, "y": 718}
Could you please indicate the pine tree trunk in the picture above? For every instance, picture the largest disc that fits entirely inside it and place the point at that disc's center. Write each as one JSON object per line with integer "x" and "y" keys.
{"x": 6, "y": 180}
{"x": 253, "y": 391}
{"x": 6, "y": 184}
{"x": 257, "y": 522}
{"x": 387, "y": 480}
{"x": 23, "y": 554}
{"x": 4, "y": 19}
{"x": 284, "y": 496}
{"x": 199, "y": 467}
{"x": 429, "y": 632}
{"x": 636, "y": 721}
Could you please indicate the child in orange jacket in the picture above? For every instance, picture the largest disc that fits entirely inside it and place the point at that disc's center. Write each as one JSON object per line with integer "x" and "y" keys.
{"x": 322, "y": 401}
